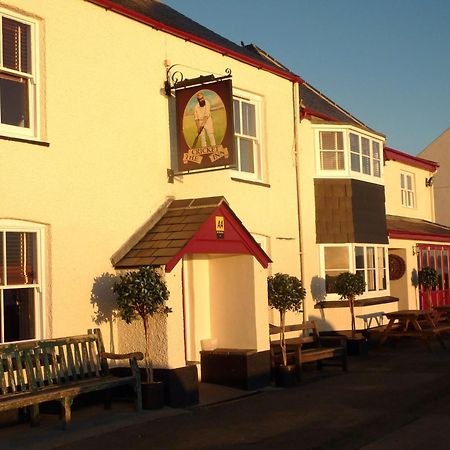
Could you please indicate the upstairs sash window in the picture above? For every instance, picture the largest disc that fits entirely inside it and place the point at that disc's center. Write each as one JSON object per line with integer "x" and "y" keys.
{"x": 17, "y": 76}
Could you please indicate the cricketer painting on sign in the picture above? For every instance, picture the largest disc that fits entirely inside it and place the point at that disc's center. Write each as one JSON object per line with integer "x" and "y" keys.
{"x": 205, "y": 126}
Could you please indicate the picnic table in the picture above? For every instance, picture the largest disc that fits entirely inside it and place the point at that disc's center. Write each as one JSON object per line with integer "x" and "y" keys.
{"x": 442, "y": 313}
{"x": 414, "y": 323}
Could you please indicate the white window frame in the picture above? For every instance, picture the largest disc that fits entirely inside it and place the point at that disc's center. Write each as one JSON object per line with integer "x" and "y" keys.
{"x": 258, "y": 154}
{"x": 32, "y": 78}
{"x": 408, "y": 196}
{"x": 335, "y": 151}
{"x": 17, "y": 226}
{"x": 348, "y": 172}
{"x": 351, "y": 248}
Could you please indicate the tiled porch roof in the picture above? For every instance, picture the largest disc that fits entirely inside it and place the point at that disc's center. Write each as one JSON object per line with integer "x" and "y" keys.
{"x": 417, "y": 229}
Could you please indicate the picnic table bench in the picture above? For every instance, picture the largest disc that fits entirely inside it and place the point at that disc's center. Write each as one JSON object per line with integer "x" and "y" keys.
{"x": 38, "y": 371}
{"x": 309, "y": 346}
{"x": 419, "y": 323}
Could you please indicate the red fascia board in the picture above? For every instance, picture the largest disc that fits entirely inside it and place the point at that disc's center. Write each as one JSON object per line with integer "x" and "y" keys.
{"x": 237, "y": 240}
{"x": 307, "y": 113}
{"x": 414, "y": 236}
{"x": 390, "y": 154}
{"x": 195, "y": 39}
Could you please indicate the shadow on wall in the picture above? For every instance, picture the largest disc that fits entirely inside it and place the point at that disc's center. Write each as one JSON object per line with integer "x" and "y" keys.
{"x": 104, "y": 303}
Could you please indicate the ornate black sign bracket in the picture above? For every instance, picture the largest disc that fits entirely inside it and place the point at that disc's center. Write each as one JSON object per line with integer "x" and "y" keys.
{"x": 176, "y": 80}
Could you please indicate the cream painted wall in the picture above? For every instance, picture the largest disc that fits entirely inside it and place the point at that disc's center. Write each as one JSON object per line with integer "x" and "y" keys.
{"x": 410, "y": 298}
{"x": 197, "y": 301}
{"x": 424, "y": 208}
{"x": 110, "y": 130}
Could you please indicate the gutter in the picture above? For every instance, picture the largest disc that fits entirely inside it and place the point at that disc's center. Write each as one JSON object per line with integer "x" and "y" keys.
{"x": 111, "y": 6}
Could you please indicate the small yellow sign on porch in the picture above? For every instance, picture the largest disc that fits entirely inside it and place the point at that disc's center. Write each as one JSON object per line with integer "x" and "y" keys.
{"x": 220, "y": 227}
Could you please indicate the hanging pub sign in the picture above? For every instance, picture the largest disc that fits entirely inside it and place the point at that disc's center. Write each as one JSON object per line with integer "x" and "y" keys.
{"x": 205, "y": 126}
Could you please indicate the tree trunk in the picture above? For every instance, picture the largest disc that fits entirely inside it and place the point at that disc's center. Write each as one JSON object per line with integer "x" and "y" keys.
{"x": 282, "y": 337}
{"x": 351, "y": 303}
{"x": 148, "y": 368}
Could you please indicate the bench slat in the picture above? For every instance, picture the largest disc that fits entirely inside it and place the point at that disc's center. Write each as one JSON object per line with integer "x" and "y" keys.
{"x": 93, "y": 356}
{"x": 19, "y": 371}
{"x": 29, "y": 370}
{"x": 78, "y": 361}
{"x": 3, "y": 376}
{"x": 71, "y": 363}
{"x": 38, "y": 368}
{"x": 11, "y": 377}
{"x": 63, "y": 362}
{"x": 86, "y": 361}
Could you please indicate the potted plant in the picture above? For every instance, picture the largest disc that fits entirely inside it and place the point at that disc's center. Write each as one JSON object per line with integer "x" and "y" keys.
{"x": 285, "y": 293}
{"x": 348, "y": 285}
{"x": 428, "y": 278}
{"x": 141, "y": 294}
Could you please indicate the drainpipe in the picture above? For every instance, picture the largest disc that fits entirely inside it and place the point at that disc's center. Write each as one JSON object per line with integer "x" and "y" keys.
{"x": 296, "y": 98}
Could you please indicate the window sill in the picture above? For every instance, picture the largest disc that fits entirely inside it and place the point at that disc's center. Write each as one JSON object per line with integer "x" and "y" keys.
{"x": 25, "y": 140}
{"x": 361, "y": 302}
{"x": 257, "y": 183}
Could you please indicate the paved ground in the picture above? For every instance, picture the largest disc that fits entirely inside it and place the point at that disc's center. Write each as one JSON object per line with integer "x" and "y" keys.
{"x": 396, "y": 398}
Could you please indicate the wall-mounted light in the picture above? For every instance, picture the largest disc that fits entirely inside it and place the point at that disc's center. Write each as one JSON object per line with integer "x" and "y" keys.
{"x": 415, "y": 249}
{"x": 429, "y": 182}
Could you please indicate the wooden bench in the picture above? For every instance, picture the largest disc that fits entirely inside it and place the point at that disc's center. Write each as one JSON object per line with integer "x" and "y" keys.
{"x": 34, "y": 372}
{"x": 308, "y": 346}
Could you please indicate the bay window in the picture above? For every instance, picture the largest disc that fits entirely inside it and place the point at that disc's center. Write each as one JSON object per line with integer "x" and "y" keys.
{"x": 367, "y": 260}
{"x": 348, "y": 153}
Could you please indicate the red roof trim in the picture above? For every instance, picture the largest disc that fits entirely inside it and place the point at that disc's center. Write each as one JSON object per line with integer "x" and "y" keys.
{"x": 306, "y": 113}
{"x": 391, "y": 154}
{"x": 107, "y": 4}
{"x": 237, "y": 239}
{"x": 414, "y": 236}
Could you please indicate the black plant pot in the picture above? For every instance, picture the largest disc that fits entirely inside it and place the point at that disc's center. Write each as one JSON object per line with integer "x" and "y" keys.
{"x": 152, "y": 395}
{"x": 357, "y": 346}
{"x": 286, "y": 376}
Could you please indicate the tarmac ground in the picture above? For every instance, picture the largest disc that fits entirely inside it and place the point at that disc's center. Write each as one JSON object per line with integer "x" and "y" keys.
{"x": 397, "y": 397}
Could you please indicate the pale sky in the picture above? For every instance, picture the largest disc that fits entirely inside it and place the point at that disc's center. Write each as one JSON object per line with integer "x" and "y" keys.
{"x": 385, "y": 61}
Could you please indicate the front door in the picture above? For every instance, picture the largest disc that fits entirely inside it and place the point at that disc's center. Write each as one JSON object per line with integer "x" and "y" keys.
{"x": 437, "y": 257}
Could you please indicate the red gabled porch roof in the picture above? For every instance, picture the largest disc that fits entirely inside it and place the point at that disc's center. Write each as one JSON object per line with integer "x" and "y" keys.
{"x": 188, "y": 227}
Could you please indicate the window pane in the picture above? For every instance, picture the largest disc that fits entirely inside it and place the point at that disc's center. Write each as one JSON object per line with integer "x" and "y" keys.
{"x": 248, "y": 119}
{"x": 14, "y": 102}
{"x": 354, "y": 143}
{"x": 365, "y": 146}
{"x": 331, "y": 140}
{"x": 19, "y": 314}
{"x": 16, "y": 45}
{"x": 336, "y": 258}
{"x": 402, "y": 180}
{"x": 246, "y": 155}
{"x": 409, "y": 182}
{"x": 20, "y": 258}
{"x": 370, "y": 257}
{"x": 376, "y": 150}
{"x": 359, "y": 257}
{"x": 376, "y": 168}
{"x": 366, "y": 165}
{"x": 381, "y": 263}
{"x": 356, "y": 163}
{"x": 332, "y": 160}
{"x": 237, "y": 116}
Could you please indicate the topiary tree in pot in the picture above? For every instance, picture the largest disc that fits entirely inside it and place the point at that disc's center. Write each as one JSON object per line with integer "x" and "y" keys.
{"x": 141, "y": 294}
{"x": 348, "y": 285}
{"x": 429, "y": 279}
{"x": 285, "y": 293}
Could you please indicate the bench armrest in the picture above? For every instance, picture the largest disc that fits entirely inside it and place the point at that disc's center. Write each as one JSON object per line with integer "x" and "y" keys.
{"x": 135, "y": 355}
